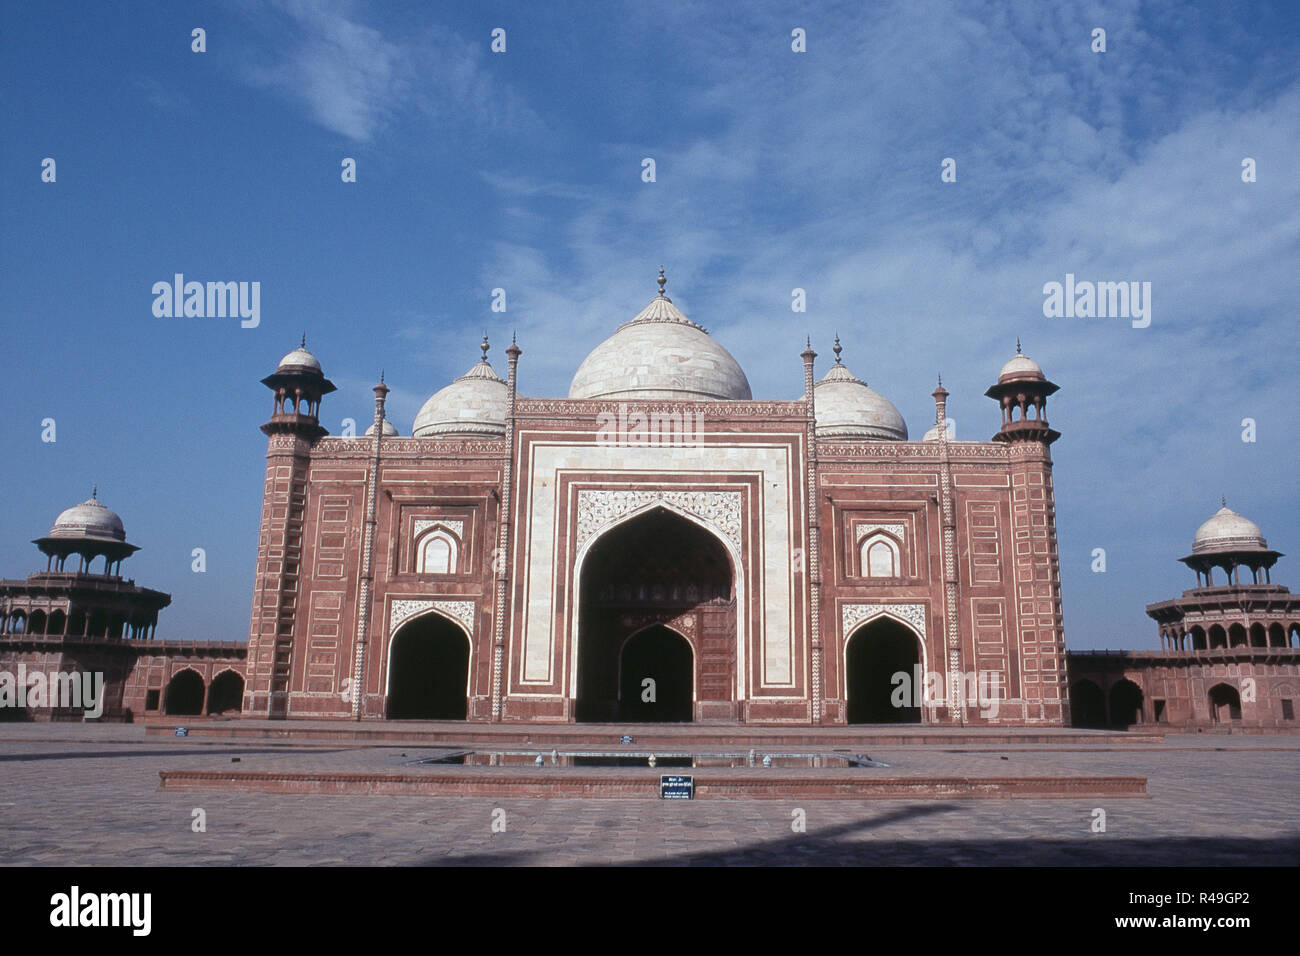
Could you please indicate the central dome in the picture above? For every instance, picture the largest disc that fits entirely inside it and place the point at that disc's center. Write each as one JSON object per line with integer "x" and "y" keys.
{"x": 660, "y": 354}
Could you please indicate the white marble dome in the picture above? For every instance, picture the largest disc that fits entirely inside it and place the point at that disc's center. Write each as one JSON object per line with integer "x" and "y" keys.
{"x": 300, "y": 358}
{"x": 1020, "y": 367}
{"x": 390, "y": 430}
{"x": 1227, "y": 531}
{"x": 473, "y": 406}
{"x": 847, "y": 408}
{"x": 90, "y": 519}
{"x": 660, "y": 354}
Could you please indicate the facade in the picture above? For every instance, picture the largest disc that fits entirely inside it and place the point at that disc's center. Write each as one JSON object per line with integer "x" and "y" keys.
{"x": 657, "y": 545}
{"x": 1229, "y": 652}
{"x": 58, "y": 623}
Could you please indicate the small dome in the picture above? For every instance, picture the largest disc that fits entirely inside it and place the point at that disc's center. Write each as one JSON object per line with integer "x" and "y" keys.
{"x": 473, "y": 406}
{"x": 389, "y": 428}
{"x": 299, "y": 358}
{"x": 847, "y": 408}
{"x": 1020, "y": 367}
{"x": 1228, "y": 531}
{"x": 934, "y": 434}
{"x": 90, "y": 519}
{"x": 660, "y": 354}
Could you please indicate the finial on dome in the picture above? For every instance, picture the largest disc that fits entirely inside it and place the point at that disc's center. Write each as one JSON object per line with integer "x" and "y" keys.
{"x": 303, "y": 344}
{"x": 485, "y": 347}
{"x": 94, "y": 492}
{"x": 837, "y": 349}
{"x": 381, "y": 376}
{"x": 941, "y": 379}
{"x": 1017, "y": 345}
{"x": 662, "y": 282}
{"x": 1223, "y": 500}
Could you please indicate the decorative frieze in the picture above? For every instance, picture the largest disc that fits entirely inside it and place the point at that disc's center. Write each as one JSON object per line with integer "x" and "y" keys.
{"x": 461, "y": 611}
{"x": 853, "y": 615}
{"x": 597, "y": 509}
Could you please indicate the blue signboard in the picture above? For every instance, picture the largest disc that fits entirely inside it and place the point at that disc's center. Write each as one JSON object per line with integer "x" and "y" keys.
{"x": 182, "y": 732}
{"x": 625, "y": 739}
{"x": 675, "y": 786}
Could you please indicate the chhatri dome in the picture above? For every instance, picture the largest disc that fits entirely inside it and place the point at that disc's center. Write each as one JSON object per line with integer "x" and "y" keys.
{"x": 847, "y": 408}
{"x": 1228, "y": 531}
{"x": 390, "y": 430}
{"x": 1230, "y": 542}
{"x": 660, "y": 354}
{"x": 299, "y": 358}
{"x": 90, "y": 520}
{"x": 473, "y": 406}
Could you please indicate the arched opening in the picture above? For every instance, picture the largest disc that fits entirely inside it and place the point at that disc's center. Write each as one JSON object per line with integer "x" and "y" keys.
{"x": 876, "y": 652}
{"x": 226, "y": 695}
{"x": 656, "y": 677}
{"x": 1276, "y": 635}
{"x": 1258, "y": 636}
{"x": 58, "y": 620}
{"x": 1225, "y": 703}
{"x": 1218, "y": 636}
{"x": 1198, "y": 638}
{"x": 1087, "y": 705}
{"x": 879, "y": 557}
{"x": 36, "y": 624}
{"x": 184, "y": 694}
{"x": 17, "y": 623}
{"x": 655, "y": 569}
{"x": 437, "y": 553}
{"x": 428, "y": 670}
{"x": 1237, "y": 635}
{"x": 1125, "y": 704}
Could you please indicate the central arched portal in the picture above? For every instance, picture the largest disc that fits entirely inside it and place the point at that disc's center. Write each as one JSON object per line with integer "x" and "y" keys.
{"x": 657, "y": 602}
{"x": 428, "y": 670}
{"x": 877, "y": 652}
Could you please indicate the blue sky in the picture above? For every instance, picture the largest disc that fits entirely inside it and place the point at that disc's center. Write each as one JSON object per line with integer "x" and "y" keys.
{"x": 775, "y": 170}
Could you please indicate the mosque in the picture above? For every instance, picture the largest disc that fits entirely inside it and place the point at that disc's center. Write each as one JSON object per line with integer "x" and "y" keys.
{"x": 659, "y": 545}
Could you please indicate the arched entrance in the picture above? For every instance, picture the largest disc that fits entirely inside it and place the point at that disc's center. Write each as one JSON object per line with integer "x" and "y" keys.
{"x": 663, "y": 657}
{"x": 1087, "y": 705}
{"x": 1225, "y": 704}
{"x": 184, "y": 694}
{"x": 655, "y": 569}
{"x": 428, "y": 670}
{"x": 226, "y": 693}
{"x": 876, "y": 652}
{"x": 1125, "y": 704}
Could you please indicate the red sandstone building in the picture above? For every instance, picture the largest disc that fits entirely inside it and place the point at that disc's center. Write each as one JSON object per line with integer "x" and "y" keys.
{"x": 1229, "y": 652}
{"x": 86, "y": 621}
{"x": 659, "y": 545}
{"x": 758, "y": 561}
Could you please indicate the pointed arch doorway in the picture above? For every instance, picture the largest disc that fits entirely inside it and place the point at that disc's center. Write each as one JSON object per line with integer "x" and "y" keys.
{"x": 428, "y": 670}
{"x": 657, "y": 600}
{"x": 875, "y": 653}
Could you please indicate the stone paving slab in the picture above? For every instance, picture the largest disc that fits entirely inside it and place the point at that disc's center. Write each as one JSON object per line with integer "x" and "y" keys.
{"x": 94, "y": 801}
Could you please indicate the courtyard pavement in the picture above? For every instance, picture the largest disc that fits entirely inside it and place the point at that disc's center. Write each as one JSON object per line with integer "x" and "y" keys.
{"x": 77, "y": 795}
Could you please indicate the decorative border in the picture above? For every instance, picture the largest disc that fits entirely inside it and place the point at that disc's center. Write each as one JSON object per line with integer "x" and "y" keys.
{"x": 863, "y": 530}
{"x": 597, "y": 509}
{"x": 460, "y": 611}
{"x": 852, "y": 615}
{"x": 454, "y": 525}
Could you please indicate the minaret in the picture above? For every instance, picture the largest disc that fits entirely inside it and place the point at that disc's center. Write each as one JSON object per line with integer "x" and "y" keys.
{"x": 298, "y": 384}
{"x": 1021, "y": 392}
{"x": 814, "y": 536}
